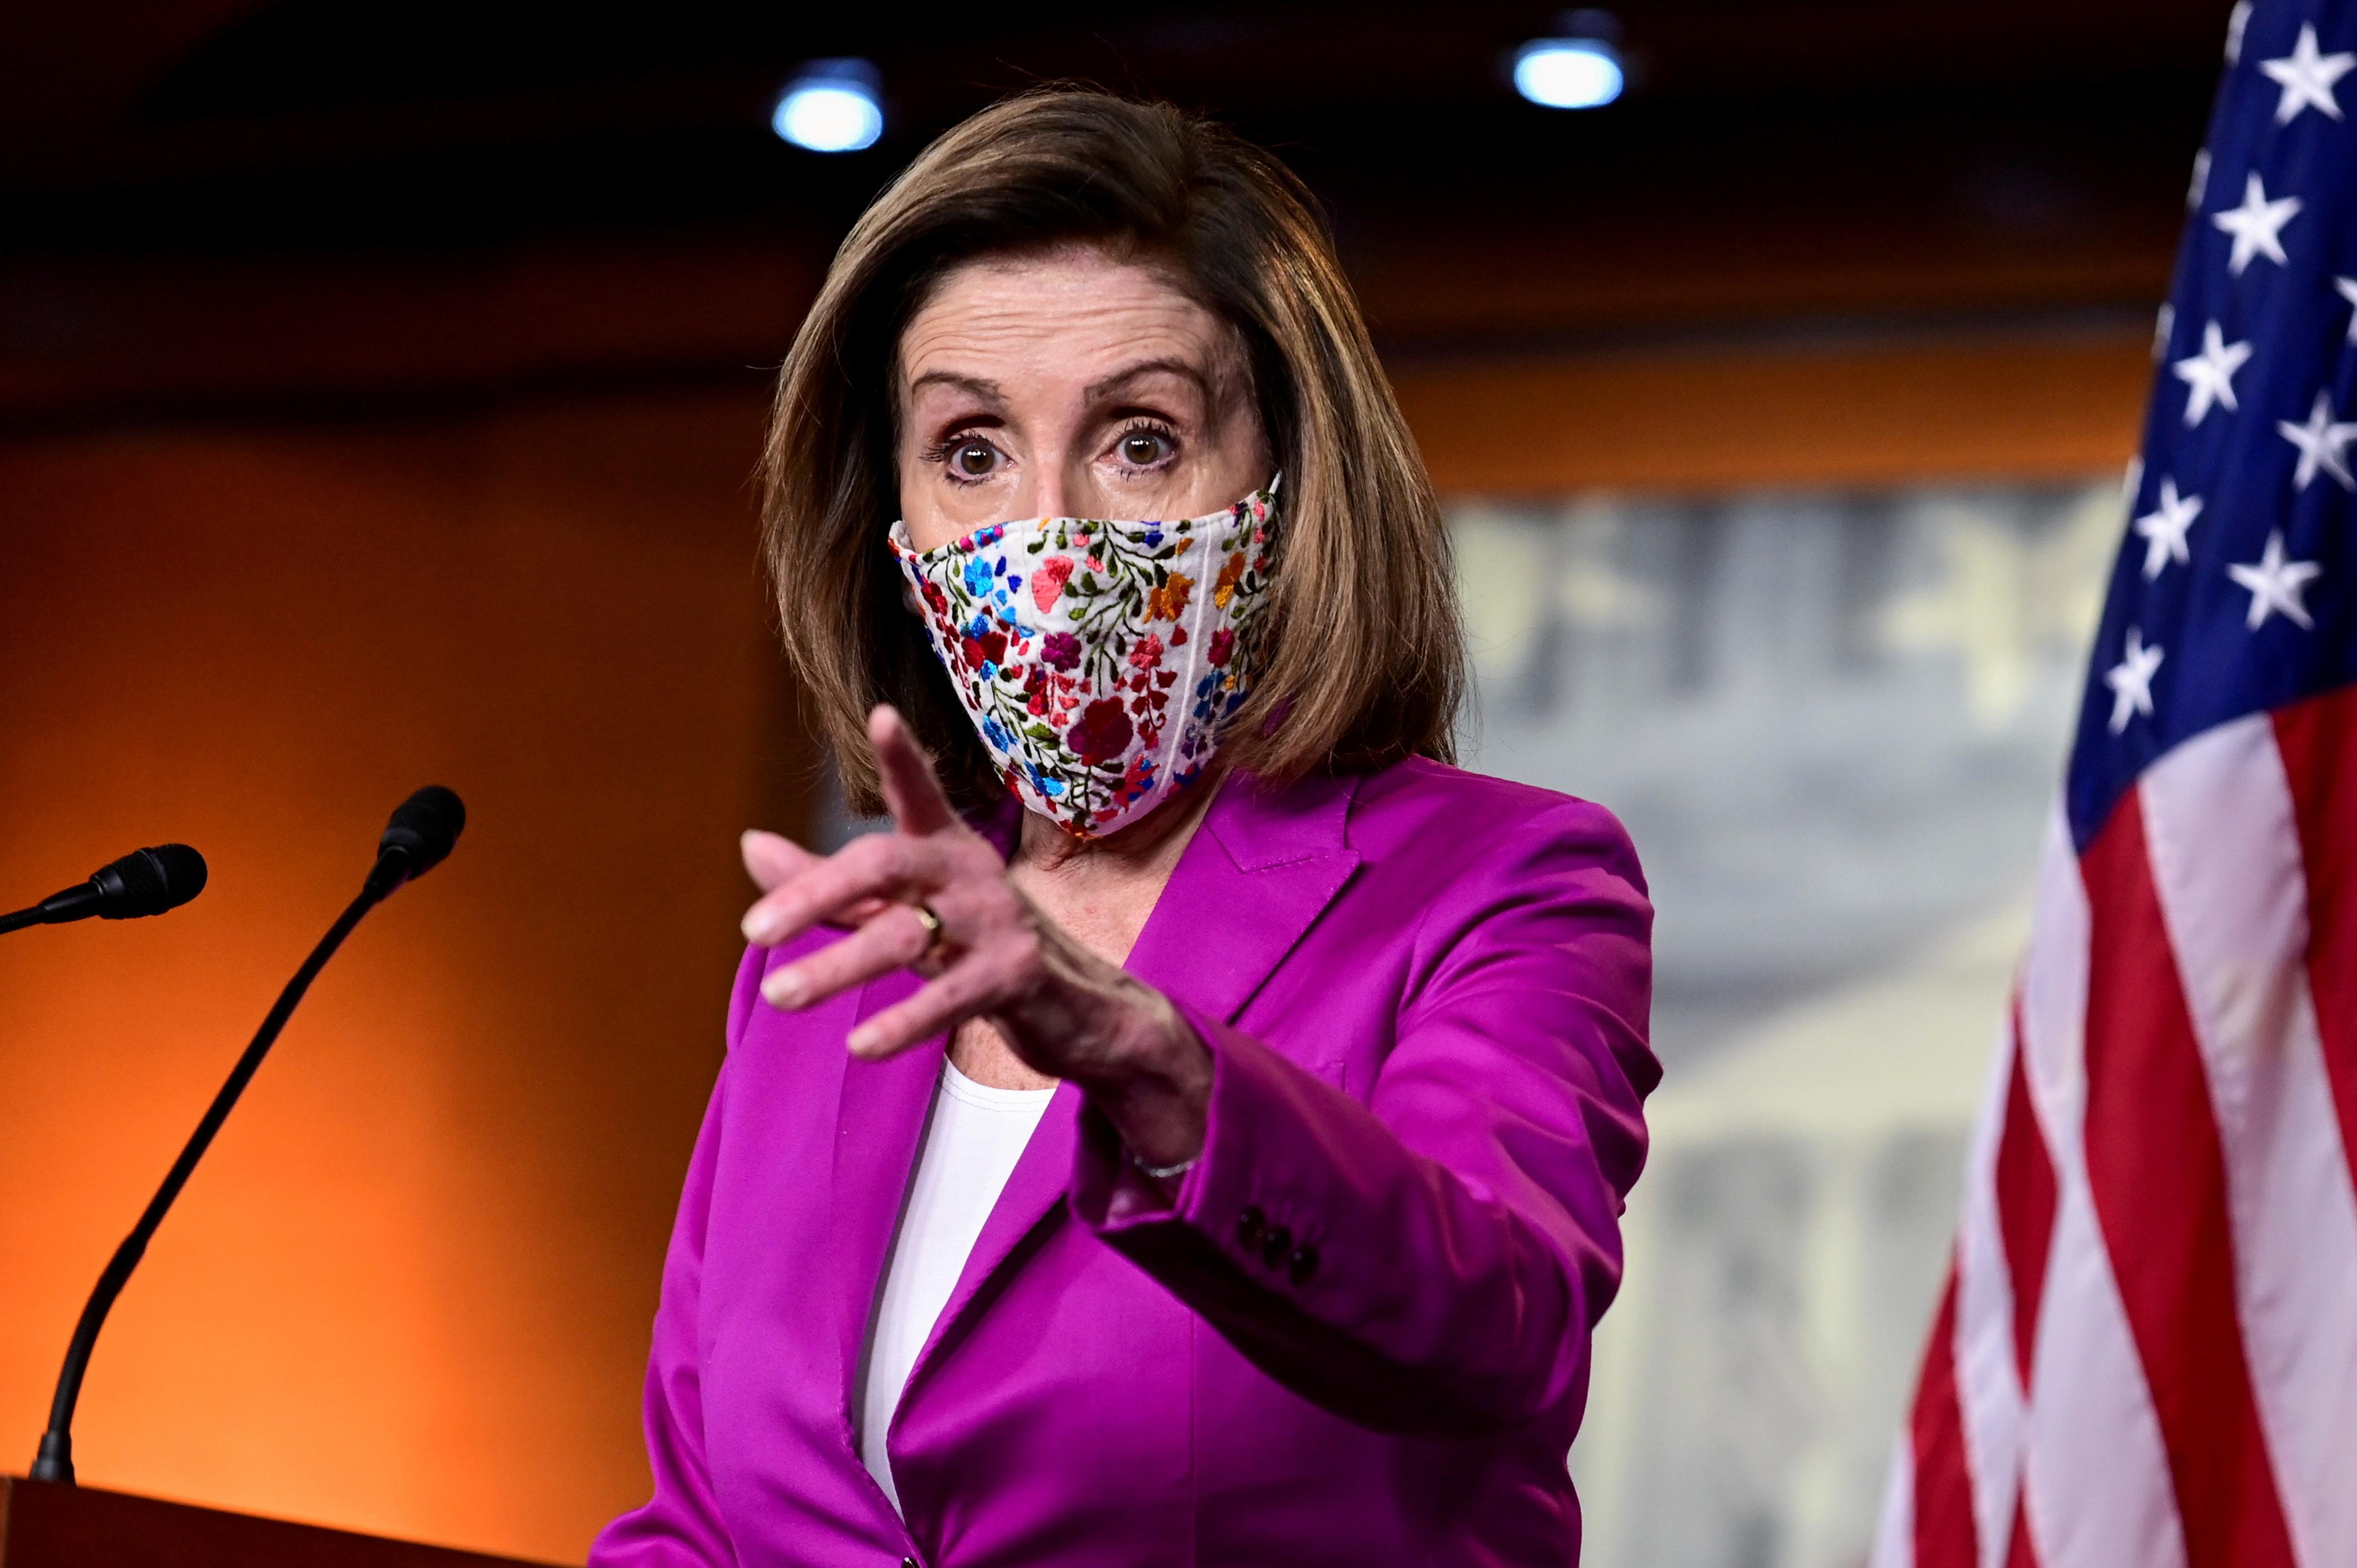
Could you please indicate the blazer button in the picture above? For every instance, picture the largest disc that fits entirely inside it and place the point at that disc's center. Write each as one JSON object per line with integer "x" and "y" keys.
{"x": 1303, "y": 1264}
{"x": 1275, "y": 1245}
{"x": 1248, "y": 1228}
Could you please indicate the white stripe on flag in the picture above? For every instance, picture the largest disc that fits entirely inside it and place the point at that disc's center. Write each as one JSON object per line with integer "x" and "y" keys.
{"x": 1894, "y": 1533}
{"x": 2097, "y": 1475}
{"x": 1989, "y": 1379}
{"x": 2225, "y": 856}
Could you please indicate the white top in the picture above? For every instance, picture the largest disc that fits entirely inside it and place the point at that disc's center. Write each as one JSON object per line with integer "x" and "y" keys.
{"x": 974, "y": 1138}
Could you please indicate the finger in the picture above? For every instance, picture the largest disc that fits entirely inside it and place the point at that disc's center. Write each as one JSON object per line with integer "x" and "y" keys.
{"x": 912, "y": 790}
{"x": 894, "y": 939}
{"x": 966, "y": 989}
{"x": 771, "y": 859}
{"x": 848, "y": 919}
{"x": 858, "y": 878}
{"x": 878, "y": 867}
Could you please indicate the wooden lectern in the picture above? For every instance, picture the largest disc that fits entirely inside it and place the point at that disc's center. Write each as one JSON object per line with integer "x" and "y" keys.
{"x": 47, "y": 1526}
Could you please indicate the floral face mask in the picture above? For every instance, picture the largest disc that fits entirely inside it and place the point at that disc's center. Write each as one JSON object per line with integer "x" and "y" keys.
{"x": 1098, "y": 659}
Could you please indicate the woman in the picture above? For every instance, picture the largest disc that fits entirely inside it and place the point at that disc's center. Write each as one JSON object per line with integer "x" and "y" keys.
{"x": 1196, "y": 1134}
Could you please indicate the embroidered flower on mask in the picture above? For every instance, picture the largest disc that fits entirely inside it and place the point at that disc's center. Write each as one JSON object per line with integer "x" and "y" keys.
{"x": 1102, "y": 733}
{"x": 985, "y": 649}
{"x": 1168, "y": 601}
{"x": 1230, "y": 576}
{"x": 1138, "y": 777}
{"x": 1048, "y": 580}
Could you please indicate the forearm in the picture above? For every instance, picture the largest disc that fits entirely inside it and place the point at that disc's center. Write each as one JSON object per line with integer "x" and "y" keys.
{"x": 1389, "y": 1282}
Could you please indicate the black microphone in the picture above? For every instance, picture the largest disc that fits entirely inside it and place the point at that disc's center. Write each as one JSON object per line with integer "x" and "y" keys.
{"x": 145, "y": 881}
{"x": 421, "y": 833}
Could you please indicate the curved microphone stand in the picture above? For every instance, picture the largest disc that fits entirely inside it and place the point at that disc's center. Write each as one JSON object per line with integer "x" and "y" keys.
{"x": 423, "y": 831}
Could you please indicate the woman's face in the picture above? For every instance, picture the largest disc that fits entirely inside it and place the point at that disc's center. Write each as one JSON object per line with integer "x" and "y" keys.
{"x": 1070, "y": 384}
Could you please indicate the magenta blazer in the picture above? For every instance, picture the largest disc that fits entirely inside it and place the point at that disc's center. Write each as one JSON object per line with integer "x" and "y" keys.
{"x": 1358, "y": 1334}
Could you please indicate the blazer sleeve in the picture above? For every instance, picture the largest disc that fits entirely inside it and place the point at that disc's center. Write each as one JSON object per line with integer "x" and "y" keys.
{"x": 1434, "y": 1260}
{"x": 680, "y": 1525}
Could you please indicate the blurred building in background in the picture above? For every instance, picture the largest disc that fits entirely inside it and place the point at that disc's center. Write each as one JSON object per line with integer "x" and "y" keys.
{"x": 1830, "y": 720}
{"x": 378, "y": 391}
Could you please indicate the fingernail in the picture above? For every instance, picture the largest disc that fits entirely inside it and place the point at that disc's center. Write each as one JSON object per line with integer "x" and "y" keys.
{"x": 761, "y": 926}
{"x": 783, "y": 989}
{"x": 861, "y": 1041}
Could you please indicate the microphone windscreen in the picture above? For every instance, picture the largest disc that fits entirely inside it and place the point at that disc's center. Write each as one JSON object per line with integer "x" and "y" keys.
{"x": 424, "y": 827}
{"x": 149, "y": 881}
{"x": 184, "y": 873}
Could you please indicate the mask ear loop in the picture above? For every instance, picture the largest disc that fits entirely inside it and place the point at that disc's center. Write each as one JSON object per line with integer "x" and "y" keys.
{"x": 897, "y": 545}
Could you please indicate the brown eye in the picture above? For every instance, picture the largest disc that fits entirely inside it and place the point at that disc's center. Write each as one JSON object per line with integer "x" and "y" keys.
{"x": 1144, "y": 448}
{"x": 974, "y": 459}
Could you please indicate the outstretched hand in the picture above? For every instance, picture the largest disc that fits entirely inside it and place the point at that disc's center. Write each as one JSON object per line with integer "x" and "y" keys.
{"x": 988, "y": 953}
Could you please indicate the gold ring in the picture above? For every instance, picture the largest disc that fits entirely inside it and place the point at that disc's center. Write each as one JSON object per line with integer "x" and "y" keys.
{"x": 932, "y": 924}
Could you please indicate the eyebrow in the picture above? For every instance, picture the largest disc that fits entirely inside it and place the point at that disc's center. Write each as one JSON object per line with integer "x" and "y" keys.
{"x": 1104, "y": 387}
{"x": 988, "y": 390}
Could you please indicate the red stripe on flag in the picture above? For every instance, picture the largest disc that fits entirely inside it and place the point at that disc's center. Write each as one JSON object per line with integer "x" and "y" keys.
{"x": 2025, "y": 1205}
{"x": 2157, "y": 1179}
{"x": 2318, "y": 742}
{"x": 1945, "y": 1535}
{"x": 2020, "y": 1552}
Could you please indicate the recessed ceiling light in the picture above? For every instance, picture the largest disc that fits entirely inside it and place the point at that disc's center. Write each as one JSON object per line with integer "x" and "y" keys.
{"x": 831, "y": 106}
{"x": 1569, "y": 73}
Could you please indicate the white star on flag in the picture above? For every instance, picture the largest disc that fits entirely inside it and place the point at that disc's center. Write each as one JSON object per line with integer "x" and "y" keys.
{"x": 2347, "y": 289}
{"x": 2256, "y": 225}
{"x": 2163, "y": 531}
{"x": 2275, "y": 583}
{"x": 2323, "y": 445}
{"x": 2131, "y": 680}
{"x": 2306, "y": 76}
{"x": 2199, "y": 185}
{"x": 2236, "y": 20}
{"x": 2210, "y": 373}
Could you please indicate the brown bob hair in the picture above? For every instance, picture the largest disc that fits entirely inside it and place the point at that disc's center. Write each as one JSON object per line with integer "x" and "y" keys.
{"x": 1361, "y": 659}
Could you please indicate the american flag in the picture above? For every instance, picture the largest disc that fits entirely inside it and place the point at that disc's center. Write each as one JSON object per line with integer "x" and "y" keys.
{"x": 2145, "y": 1354}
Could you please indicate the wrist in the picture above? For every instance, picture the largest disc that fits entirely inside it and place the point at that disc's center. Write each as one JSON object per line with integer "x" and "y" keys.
{"x": 1158, "y": 1098}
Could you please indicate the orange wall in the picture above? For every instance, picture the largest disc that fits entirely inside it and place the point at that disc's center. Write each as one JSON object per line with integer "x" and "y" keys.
{"x": 408, "y": 1292}
{"x": 1713, "y": 417}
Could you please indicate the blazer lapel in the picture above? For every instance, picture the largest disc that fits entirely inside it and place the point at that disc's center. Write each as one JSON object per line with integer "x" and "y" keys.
{"x": 1261, "y": 870}
{"x": 880, "y": 1128}
{"x": 1033, "y": 1197}
{"x": 1263, "y": 867}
